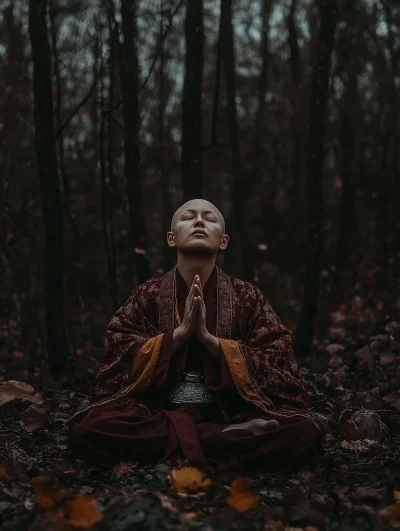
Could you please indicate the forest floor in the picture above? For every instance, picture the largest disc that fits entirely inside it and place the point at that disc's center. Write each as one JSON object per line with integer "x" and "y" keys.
{"x": 353, "y": 379}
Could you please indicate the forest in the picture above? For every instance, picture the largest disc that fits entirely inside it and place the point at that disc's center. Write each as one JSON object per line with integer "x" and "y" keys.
{"x": 285, "y": 115}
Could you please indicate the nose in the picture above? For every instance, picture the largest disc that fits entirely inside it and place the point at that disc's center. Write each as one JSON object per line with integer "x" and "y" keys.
{"x": 199, "y": 221}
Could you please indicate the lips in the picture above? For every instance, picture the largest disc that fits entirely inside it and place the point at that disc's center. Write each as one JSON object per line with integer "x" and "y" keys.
{"x": 199, "y": 232}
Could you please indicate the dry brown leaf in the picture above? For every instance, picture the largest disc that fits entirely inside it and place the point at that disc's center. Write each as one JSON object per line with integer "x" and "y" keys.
{"x": 32, "y": 418}
{"x": 3, "y": 466}
{"x": 241, "y": 497}
{"x": 393, "y": 400}
{"x": 84, "y": 511}
{"x": 188, "y": 480}
{"x": 46, "y": 495}
{"x": 14, "y": 390}
{"x": 392, "y": 513}
{"x": 124, "y": 467}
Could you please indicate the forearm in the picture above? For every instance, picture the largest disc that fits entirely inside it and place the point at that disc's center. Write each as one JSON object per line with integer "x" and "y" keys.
{"x": 212, "y": 345}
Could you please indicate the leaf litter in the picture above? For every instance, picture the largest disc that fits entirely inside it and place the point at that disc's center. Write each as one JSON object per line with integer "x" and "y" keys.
{"x": 353, "y": 382}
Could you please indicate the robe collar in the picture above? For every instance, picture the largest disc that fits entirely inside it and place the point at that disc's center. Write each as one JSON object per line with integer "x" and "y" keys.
{"x": 167, "y": 303}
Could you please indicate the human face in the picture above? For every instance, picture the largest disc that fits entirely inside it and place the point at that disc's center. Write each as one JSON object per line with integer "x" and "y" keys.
{"x": 198, "y": 229}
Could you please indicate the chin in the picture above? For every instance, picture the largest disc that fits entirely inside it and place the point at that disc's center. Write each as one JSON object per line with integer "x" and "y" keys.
{"x": 197, "y": 250}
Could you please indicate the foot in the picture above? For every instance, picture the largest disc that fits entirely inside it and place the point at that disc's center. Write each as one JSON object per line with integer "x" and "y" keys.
{"x": 256, "y": 426}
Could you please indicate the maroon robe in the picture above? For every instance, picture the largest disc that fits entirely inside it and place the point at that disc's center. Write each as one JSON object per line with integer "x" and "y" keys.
{"x": 129, "y": 416}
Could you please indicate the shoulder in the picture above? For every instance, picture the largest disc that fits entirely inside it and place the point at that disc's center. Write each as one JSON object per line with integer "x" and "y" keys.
{"x": 244, "y": 289}
{"x": 149, "y": 289}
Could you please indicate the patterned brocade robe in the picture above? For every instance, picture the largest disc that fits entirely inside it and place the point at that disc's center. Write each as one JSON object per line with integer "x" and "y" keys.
{"x": 257, "y": 370}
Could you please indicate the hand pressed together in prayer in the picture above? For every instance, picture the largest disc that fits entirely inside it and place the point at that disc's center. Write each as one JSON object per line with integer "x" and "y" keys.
{"x": 194, "y": 322}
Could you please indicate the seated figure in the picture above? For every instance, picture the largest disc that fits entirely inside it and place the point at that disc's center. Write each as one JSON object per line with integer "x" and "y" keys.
{"x": 197, "y": 367}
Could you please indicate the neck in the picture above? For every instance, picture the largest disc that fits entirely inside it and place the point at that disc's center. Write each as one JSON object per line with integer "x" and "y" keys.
{"x": 189, "y": 266}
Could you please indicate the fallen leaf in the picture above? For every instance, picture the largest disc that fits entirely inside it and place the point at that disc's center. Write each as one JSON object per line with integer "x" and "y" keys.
{"x": 369, "y": 493}
{"x": 392, "y": 513}
{"x": 366, "y": 358}
{"x": 393, "y": 400}
{"x": 14, "y": 390}
{"x": 34, "y": 417}
{"x": 387, "y": 358}
{"x": 3, "y": 466}
{"x": 241, "y": 497}
{"x": 334, "y": 348}
{"x": 46, "y": 495}
{"x": 188, "y": 480}
{"x": 84, "y": 511}
{"x": 124, "y": 467}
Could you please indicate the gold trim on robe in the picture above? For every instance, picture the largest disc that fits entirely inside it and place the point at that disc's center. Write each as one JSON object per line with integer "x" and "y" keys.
{"x": 145, "y": 363}
{"x": 237, "y": 366}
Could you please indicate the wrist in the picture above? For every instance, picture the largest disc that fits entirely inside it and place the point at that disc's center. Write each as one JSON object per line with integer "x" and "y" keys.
{"x": 205, "y": 337}
{"x": 181, "y": 335}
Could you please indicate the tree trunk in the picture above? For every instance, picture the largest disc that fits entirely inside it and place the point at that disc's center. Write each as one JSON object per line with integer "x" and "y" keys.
{"x": 66, "y": 188}
{"x": 319, "y": 99}
{"x": 129, "y": 68}
{"x": 295, "y": 68}
{"x": 387, "y": 226}
{"x": 192, "y": 135}
{"x": 169, "y": 256}
{"x": 348, "y": 142}
{"x": 235, "y": 257}
{"x": 52, "y": 207}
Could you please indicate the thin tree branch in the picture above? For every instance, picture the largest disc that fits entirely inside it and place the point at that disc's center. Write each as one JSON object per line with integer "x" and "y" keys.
{"x": 156, "y": 55}
{"x": 77, "y": 108}
{"x": 118, "y": 123}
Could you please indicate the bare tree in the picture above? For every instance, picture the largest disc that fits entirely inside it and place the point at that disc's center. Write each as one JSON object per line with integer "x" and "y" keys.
{"x": 51, "y": 197}
{"x": 236, "y": 222}
{"x": 319, "y": 99}
{"x": 129, "y": 68}
{"x": 108, "y": 183}
{"x": 192, "y": 130}
{"x": 389, "y": 158}
{"x": 348, "y": 53}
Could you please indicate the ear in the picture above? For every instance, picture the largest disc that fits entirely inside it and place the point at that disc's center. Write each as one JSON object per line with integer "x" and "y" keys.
{"x": 170, "y": 239}
{"x": 224, "y": 242}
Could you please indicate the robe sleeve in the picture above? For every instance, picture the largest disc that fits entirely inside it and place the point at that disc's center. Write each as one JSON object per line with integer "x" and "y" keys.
{"x": 132, "y": 350}
{"x": 262, "y": 363}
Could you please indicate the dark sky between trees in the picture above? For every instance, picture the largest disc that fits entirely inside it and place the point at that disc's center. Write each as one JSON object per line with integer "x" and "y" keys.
{"x": 284, "y": 114}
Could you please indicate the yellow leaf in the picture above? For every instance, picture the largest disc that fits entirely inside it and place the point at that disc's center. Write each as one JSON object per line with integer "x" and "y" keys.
{"x": 84, "y": 511}
{"x": 188, "y": 480}
{"x": 241, "y": 497}
{"x": 243, "y": 501}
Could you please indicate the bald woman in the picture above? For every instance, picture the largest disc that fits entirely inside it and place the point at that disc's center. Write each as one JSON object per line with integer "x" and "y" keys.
{"x": 197, "y": 367}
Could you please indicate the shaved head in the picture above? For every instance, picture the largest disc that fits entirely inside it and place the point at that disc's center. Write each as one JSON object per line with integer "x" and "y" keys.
{"x": 196, "y": 204}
